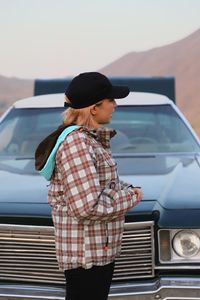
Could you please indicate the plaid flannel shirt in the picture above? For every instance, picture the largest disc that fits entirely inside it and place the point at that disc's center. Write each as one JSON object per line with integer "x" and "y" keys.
{"x": 88, "y": 200}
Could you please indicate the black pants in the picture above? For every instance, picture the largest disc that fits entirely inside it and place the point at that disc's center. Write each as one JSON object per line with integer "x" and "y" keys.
{"x": 89, "y": 284}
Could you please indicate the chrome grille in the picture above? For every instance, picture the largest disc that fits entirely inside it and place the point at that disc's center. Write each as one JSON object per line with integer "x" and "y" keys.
{"x": 137, "y": 255}
{"x": 27, "y": 253}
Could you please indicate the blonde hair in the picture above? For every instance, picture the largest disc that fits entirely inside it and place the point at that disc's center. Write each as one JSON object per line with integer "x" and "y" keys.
{"x": 81, "y": 116}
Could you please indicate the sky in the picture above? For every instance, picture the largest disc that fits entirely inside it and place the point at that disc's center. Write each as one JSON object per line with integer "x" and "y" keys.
{"x": 59, "y": 38}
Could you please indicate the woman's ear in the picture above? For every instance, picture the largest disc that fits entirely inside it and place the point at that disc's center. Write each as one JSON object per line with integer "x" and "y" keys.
{"x": 93, "y": 110}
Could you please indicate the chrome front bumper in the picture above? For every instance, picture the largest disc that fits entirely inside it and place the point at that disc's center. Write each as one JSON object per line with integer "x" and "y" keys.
{"x": 172, "y": 288}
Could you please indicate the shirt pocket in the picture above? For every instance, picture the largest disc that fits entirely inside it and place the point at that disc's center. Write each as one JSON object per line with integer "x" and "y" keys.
{"x": 110, "y": 162}
{"x": 107, "y": 158}
{"x": 107, "y": 168}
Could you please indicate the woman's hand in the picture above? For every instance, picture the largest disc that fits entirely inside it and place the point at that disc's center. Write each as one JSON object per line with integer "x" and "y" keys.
{"x": 138, "y": 192}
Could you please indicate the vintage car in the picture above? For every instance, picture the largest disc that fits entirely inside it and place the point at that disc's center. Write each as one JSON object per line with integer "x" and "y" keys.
{"x": 155, "y": 148}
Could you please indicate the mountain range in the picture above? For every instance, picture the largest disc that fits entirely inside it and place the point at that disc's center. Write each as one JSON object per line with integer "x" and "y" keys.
{"x": 179, "y": 59}
{"x": 12, "y": 89}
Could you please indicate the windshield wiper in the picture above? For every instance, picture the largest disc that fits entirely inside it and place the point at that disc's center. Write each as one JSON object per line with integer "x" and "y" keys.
{"x": 135, "y": 155}
{"x": 24, "y": 157}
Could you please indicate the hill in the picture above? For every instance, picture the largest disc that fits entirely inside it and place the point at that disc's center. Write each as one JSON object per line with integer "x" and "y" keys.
{"x": 12, "y": 89}
{"x": 179, "y": 59}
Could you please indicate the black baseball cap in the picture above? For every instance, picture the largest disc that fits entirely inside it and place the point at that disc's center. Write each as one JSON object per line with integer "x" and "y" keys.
{"x": 91, "y": 87}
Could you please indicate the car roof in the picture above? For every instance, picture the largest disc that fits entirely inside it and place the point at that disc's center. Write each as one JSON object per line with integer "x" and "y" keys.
{"x": 57, "y": 100}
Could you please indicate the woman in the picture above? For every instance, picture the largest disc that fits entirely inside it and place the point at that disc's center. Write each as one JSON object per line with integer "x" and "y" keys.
{"x": 88, "y": 201}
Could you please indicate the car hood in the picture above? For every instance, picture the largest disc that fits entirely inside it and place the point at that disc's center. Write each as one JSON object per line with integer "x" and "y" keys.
{"x": 22, "y": 191}
{"x": 22, "y": 188}
{"x": 169, "y": 183}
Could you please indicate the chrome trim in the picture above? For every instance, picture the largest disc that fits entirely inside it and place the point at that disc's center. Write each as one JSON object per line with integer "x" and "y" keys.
{"x": 175, "y": 267}
{"x": 27, "y": 253}
{"x": 27, "y": 227}
{"x": 165, "y": 288}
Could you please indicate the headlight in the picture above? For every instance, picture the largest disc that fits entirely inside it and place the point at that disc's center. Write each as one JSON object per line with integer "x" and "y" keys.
{"x": 186, "y": 243}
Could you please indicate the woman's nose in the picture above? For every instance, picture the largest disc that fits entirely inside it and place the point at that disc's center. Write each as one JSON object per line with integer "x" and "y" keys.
{"x": 114, "y": 104}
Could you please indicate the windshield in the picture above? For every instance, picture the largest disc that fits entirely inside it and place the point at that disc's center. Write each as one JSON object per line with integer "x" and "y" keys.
{"x": 23, "y": 129}
{"x": 140, "y": 129}
{"x": 151, "y": 129}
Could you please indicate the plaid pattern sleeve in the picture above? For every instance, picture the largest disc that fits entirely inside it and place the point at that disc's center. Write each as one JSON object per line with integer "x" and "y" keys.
{"x": 91, "y": 194}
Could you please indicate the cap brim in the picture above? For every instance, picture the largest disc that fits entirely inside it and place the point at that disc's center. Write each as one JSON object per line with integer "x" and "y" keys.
{"x": 119, "y": 91}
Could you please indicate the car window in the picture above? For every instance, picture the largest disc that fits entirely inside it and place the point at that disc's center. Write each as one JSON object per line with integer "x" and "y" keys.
{"x": 140, "y": 129}
{"x": 23, "y": 129}
{"x": 153, "y": 128}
